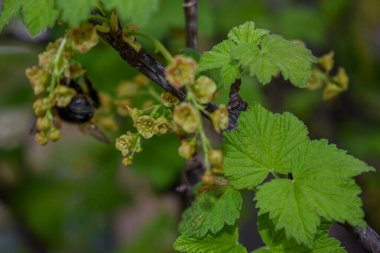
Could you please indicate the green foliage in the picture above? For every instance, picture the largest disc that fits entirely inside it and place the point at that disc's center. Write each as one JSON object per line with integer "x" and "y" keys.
{"x": 75, "y": 11}
{"x": 10, "y": 9}
{"x": 38, "y": 15}
{"x": 320, "y": 185}
{"x": 223, "y": 242}
{"x": 210, "y": 212}
{"x": 277, "y": 242}
{"x": 263, "y": 143}
{"x": 260, "y": 54}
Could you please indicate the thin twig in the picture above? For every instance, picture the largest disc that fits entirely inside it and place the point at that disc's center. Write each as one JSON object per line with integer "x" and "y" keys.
{"x": 368, "y": 238}
{"x": 190, "y": 8}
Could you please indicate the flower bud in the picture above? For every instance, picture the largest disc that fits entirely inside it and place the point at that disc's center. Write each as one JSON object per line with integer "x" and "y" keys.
{"x": 83, "y": 38}
{"x": 327, "y": 61}
{"x": 127, "y": 161}
{"x": 186, "y": 117}
{"x": 40, "y": 106}
{"x": 134, "y": 113}
{"x": 331, "y": 90}
{"x": 208, "y": 178}
{"x": 162, "y": 125}
{"x": 219, "y": 118}
{"x": 315, "y": 82}
{"x": 54, "y": 134}
{"x": 181, "y": 71}
{"x": 74, "y": 70}
{"x": 43, "y": 123}
{"x": 126, "y": 89}
{"x": 342, "y": 79}
{"x": 204, "y": 89}
{"x": 37, "y": 78}
{"x": 146, "y": 126}
{"x": 168, "y": 99}
{"x": 187, "y": 149}
{"x": 141, "y": 80}
{"x": 63, "y": 95}
{"x": 215, "y": 157}
{"x": 40, "y": 138}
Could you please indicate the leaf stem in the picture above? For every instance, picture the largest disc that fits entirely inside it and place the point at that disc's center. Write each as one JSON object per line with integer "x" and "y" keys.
{"x": 159, "y": 47}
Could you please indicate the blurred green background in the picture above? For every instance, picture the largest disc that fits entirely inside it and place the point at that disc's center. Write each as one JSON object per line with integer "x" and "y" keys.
{"x": 74, "y": 195}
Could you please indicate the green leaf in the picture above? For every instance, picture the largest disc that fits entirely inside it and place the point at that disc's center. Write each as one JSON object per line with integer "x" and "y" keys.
{"x": 9, "y": 9}
{"x": 229, "y": 73}
{"x": 132, "y": 10}
{"x": 220, "y": 57}
{"x": 277, "y": 242}
{"x": 261, "y": 54}
{"x": 75, "y": 11}
{"x": 263, "y": 142}
{"x": 321, "y": 188}
{"x": 246, "y": 33}
{"x": 277, "y": 55}
{"x": 210, "y": 212}
{"x": 226, "y": 241}
{"x": 39, "y": 15}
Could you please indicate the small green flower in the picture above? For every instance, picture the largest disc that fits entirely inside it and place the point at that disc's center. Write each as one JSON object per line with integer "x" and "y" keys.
{"x": 127, "y": 143}
{"x": 43, "y": 124}
{"x": 40, "y": 106}
{"x": 141, "y": 80}
{"x": 54, "y": 134}
{"x": 37, "y": 78}
{"x": 146, "y": 126}
{"x": 187, "y": 149}
{"x": 83, "y": 38}
{"x": 327, "y": 61}
{"x": 127, "y": 161}
{"x": 74, "y": 70}
{"x": 204, "y": 89}
{"x": 187, "y": 117}
{"x": 331, "y": 90}
{"x": 342, "y": 78}
{"x": 219, "y": 118}
{"x": 134, "y": 113}
{"x": 63, "y": 95}
{"x": 168, "y": 99}
{"x": 215, "y": 157}
{"x": 40, "y": 138}
{"x": 163, "y": 125}
{"x": 181, "y": 71}
{"x": 316, "y": 80}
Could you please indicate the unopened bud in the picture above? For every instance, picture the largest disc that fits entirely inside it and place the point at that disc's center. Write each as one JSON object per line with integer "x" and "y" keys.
{"x": 54, "y": 134}
{"x": 187, "y": 149}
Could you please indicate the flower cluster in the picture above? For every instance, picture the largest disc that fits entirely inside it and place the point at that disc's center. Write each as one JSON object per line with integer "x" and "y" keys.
{"x": 187, "y": 114}
{"x": 49, "y": 79}
{"x": 321, "y": 77}
{"x": 151, "y": 117}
